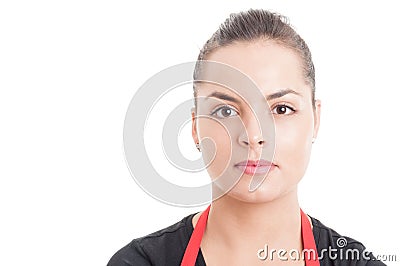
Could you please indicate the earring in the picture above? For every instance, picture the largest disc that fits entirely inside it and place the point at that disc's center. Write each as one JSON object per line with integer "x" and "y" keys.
{"x": 313, "y": 140}
{"x": 198, "y": 146}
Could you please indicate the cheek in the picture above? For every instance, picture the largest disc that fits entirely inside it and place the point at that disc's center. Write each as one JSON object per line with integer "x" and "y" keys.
{"x": 215, "y": 145}
{"x": 293, "y": 143}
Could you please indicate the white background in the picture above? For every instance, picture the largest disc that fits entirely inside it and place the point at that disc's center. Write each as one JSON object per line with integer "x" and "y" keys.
{"x": 68, "y": 70}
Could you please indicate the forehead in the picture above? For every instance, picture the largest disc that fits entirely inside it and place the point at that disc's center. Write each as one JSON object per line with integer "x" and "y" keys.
{"x": 269, "y": 65}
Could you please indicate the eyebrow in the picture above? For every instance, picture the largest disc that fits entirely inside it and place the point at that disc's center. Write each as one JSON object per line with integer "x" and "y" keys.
{"x": 282, "y": 93}
{"x": 223, "y": 96}
{"x": 275, "y": 95}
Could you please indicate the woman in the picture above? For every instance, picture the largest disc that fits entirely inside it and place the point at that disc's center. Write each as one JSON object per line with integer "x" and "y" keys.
{"x": 261, "y": 143}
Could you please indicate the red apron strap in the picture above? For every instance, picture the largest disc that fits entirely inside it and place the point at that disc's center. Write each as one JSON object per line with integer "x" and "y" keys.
{"x": 311, "y": 254}
{"x": 193, "y": 247}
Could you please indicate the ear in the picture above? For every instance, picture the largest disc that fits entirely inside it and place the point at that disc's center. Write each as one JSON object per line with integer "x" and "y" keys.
{"x": 317, "y": 117}
{"x": 195, "y": 135}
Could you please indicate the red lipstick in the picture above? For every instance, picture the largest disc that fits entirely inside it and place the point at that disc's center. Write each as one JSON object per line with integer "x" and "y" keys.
{"x": 251, "y": 167}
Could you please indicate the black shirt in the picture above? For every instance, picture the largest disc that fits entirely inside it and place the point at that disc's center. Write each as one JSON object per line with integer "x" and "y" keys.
{"x": 167, "y": 246}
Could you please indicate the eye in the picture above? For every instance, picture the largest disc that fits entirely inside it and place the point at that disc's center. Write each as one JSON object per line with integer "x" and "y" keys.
{"x": 225, "y": 111}
{"x": 283, "y": 109}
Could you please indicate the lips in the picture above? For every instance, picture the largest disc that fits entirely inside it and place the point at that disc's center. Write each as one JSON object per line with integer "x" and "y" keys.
{"x": 251, "y": 167}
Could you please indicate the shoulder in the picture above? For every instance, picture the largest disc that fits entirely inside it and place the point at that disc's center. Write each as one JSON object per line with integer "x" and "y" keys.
{"x": 336, "y": 249}
{"x": 163, "y": 247}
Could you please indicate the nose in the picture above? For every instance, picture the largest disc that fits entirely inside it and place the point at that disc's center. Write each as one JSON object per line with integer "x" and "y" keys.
{"x": 252, "y": 135}
{"x": 253, "y": 143}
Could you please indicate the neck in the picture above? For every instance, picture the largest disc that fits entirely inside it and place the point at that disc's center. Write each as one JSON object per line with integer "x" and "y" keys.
{"x": 235, "y": 222}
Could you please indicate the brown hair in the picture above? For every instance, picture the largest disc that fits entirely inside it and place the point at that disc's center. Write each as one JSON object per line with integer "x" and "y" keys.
{"x": 259, "y": 24}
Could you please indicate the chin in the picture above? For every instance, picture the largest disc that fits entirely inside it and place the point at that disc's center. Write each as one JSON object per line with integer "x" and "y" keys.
{"x": 268, "y": 191}
{"x": 273, "y": 187}
{"x": 261, "y": 195}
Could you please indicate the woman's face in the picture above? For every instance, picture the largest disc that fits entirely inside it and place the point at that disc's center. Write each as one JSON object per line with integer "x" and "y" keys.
{"x": 265, "y": 136}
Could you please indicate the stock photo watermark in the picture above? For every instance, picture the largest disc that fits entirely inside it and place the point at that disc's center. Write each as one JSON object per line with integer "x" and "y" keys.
{"x": 146, "y": 97}
{"x": 342, "y": 253}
